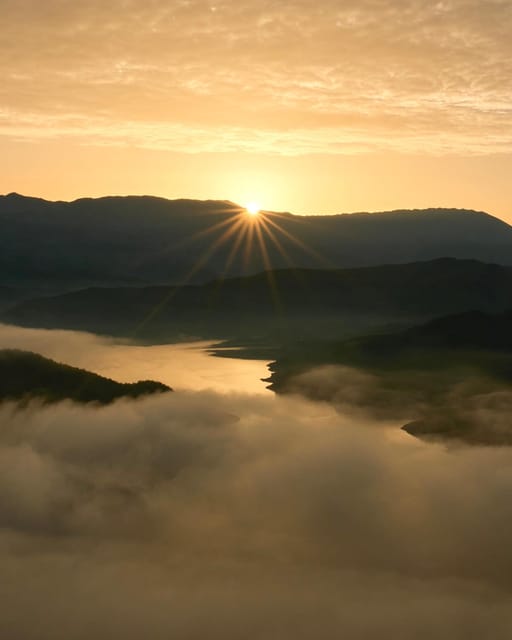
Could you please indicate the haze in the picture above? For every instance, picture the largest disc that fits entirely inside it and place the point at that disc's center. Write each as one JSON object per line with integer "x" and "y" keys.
{"x": 346, "y": 472}
{"x": 302, "y": 106}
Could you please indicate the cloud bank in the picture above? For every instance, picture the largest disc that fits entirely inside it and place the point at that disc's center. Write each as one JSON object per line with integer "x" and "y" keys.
{"x": 289, "y": 78}
{"x": 226, "y": 516}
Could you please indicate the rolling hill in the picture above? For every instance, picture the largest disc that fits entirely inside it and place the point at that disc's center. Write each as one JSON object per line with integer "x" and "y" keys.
{"x": 293, "y": 303}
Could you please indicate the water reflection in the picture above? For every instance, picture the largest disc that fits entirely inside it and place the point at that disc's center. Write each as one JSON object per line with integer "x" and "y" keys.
{"x": 181, "y": 366}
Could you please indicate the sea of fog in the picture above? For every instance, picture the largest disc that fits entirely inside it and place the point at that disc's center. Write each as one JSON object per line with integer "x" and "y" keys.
{"x": 223, "y": 512}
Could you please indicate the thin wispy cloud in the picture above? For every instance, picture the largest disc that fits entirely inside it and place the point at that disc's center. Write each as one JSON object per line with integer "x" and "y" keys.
{"x": 287, "y": 78}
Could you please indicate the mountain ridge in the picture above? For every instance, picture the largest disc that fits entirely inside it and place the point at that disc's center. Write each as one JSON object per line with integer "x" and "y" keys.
{"x": 146, "y": 240}
{"x": 14, "y": 195}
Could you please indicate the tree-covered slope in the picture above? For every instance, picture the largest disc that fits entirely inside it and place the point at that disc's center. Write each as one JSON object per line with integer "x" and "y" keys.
{"x": 25, "y": 375}
{"x": 450, "y": 378}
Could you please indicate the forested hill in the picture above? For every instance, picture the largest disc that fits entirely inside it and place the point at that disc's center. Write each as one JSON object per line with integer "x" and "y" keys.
{"x": 25, "y": 375}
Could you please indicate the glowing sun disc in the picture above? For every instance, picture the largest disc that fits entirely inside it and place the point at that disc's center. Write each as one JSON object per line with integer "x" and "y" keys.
{"x": 252, "y": 208}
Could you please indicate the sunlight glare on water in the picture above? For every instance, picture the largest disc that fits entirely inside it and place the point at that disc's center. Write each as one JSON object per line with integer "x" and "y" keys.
{"x": 181, "y": 366}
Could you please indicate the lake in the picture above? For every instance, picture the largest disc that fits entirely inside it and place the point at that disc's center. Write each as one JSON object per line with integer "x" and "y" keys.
{"x": 182, "y": 366}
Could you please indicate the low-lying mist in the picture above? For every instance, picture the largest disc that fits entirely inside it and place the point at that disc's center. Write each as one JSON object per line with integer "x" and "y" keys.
{"x": 221, "y": 515}
{"x": 461, "y": 405}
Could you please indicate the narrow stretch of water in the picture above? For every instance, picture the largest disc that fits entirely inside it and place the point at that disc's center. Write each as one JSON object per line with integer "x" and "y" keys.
{"x": 181, "y": 366}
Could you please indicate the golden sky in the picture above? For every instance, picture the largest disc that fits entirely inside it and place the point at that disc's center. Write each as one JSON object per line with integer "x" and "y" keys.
{"x": 306, "y": 106}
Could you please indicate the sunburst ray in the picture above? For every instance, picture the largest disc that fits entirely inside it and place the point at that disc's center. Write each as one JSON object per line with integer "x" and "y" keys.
{"x": 301, "y": 244}
{"x": 199, "y": 263}
{"x": 268, "y": 270}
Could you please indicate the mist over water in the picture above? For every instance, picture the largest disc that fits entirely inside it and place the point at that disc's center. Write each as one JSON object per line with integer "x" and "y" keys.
{"x": 227, "y": 514}
{"x": 186, "y": 365}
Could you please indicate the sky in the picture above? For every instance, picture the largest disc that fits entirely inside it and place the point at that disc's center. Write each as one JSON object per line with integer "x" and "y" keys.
{"x": 300, "y": 105}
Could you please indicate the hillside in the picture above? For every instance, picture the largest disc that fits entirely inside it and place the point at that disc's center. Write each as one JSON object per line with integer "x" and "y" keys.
{"x": 472, "y": 339}
{"x": 151, "y": 241}
{"x": 446, "y": 378}
{"x": 302, "y": 303}
{"x": 25, "y": 375}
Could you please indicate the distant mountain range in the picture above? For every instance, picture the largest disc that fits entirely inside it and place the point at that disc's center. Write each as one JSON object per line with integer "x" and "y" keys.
{"x": 291, "y": 303}
{"x": 61, "y": 246}
{"x": 25, "y": 376}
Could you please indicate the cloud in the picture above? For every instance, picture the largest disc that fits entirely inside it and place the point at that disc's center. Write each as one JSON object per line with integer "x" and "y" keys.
{"x": 288, "y": 78}
{"x": 232, "y": 515}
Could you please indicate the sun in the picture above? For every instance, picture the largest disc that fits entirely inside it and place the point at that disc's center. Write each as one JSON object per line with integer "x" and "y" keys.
{"x": 252, "y": 208}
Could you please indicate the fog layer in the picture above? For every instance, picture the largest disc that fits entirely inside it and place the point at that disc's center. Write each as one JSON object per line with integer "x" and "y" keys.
{"x": 225, "y": 516}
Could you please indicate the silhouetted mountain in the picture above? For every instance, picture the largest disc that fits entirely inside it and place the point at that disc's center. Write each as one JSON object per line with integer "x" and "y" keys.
{"x": 296, "y": 302}
{"x": 25, "y": 375}
{"x": 147, "y": 240}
